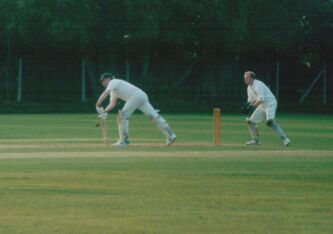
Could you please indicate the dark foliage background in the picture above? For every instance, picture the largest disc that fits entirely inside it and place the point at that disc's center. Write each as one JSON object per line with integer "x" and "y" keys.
{"x": 188, "y": 55}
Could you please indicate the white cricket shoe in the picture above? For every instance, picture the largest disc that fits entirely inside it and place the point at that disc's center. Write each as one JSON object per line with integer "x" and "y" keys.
{"x": 171, "y": 139}
{"x": 253, "y": 142}
{"x": 121, "y": 144}
{"x": 286, "y": 141}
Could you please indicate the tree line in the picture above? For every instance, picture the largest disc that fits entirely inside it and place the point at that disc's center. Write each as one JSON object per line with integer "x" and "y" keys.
{"x": 175, "y": 39}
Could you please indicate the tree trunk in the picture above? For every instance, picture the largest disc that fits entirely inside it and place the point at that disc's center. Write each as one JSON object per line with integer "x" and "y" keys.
{"x": 127, "y": 66}
{"x": 145, "y": 65}
{"x": 7, "y": 82}
{"x": 92, "y": 79}
{"x": 325, "y": 82}
{"x": 277, "y": 80}
{"x": 83, "y": 80}
{"x": 19, "y": 81}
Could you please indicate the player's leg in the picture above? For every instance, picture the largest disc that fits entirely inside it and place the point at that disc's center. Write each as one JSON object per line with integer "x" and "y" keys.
{"x": 122, "y": 129}
{"x": 159, "y": 121}
{"x": 257, "y": 117}
{"x": 123, "y": 124}
{"x": 271, "y": 122}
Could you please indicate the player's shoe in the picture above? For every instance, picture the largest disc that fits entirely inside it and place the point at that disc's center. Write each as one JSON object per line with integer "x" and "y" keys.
{"x": 121, "y": 143}
{"x": 286, "y": 141}
{"x": 253, "y": 142}
{"x": 171, "y": 139}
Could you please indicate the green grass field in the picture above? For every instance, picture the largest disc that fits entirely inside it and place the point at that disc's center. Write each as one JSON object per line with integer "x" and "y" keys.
{"x": 57, "y": 176}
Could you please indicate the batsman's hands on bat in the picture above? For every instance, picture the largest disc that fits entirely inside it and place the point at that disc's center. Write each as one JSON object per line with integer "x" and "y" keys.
{"x": 103, "y": 115}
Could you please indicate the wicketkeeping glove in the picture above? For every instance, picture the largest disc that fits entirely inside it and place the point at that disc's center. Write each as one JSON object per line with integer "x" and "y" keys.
{"x": 247, "y": 108}
{"x": 99, "y": 110}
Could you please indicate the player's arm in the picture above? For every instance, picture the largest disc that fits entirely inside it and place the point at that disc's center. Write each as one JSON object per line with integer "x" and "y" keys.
{"x": 113, "y": 102}
{"x": 260, "y": 90}
{"x": 250, "y": 97}
{"x": 101, "y": 98}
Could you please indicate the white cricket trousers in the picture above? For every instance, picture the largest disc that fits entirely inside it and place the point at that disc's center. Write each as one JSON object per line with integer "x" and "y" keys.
{"x": 264, "y": 113}
{"x": 139, "y": 100}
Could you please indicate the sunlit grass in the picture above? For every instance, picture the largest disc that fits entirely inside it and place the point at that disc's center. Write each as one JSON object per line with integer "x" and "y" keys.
{"x": 57, "y": 176}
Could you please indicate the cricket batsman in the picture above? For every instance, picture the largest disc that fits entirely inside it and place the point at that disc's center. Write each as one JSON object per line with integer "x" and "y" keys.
{"x": 134, "y": 99}
{"x": 265, "y": 104}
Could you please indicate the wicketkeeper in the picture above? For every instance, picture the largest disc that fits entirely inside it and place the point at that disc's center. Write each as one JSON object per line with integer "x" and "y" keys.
{"x": 261, "y": 97}
{"x": 134, "y": 99}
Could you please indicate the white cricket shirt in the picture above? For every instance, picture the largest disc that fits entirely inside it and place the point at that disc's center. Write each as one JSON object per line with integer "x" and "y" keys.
{"x": 258, "y": 91}
{"x": 122, "y": 89}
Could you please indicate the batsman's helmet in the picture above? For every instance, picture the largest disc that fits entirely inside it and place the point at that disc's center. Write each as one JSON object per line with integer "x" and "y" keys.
{"x": 106, "y": 75}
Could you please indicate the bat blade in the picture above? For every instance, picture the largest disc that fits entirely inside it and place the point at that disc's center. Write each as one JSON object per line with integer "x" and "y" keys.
{"x": 105, "y": 131}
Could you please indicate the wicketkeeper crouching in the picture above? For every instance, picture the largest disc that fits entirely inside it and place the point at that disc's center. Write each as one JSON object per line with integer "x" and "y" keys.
{"x": 265, "y": 104}
{"x": 134, "y": 99}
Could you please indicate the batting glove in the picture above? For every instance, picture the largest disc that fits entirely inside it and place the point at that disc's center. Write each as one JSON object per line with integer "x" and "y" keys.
{"x": 103, "y": 115}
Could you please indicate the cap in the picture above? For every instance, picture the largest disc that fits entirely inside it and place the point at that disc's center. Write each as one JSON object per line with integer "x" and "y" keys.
{"x": 106, "y": 75}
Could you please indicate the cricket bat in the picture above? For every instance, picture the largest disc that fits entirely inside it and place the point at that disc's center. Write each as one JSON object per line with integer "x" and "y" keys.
{"x": 105, "y": 132}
